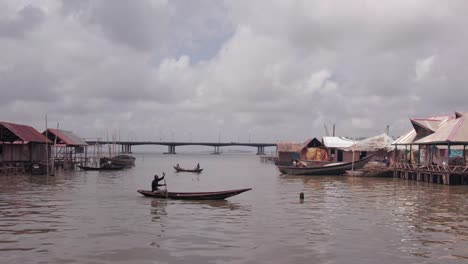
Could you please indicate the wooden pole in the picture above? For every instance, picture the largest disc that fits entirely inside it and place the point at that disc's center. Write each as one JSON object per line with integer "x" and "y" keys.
{"x": 448, "y": 155}
{"x": 55, "y": 148}
{"x": 165, "y": 185}
{"x": 464, "y": 155}
{"x": 47, "y": 149}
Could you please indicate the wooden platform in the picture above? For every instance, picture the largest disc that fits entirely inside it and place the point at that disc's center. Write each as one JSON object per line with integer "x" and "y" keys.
{"x": 447, "y": 175}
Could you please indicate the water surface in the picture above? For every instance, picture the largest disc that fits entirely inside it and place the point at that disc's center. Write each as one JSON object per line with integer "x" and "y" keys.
{"x": 98, "y": 217}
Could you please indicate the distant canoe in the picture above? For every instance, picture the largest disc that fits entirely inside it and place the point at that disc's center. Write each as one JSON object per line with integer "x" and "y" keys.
{"x": 114, "y": 168}
{"x": 194, "y": 195}
{"x": 329, "y": 169}
{"x": 178, "y": 169}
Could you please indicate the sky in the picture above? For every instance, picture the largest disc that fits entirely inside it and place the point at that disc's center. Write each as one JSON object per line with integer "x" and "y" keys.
{"x": 234, "y": 71}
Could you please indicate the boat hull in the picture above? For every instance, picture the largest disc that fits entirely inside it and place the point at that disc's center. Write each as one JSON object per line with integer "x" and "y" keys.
{"x": 186, "y": 170}
{"x": 100, "y": 169}
{"x": 120, "y": 161}
{"x": 193, "y": 195}
{"x": 338, "y": 169}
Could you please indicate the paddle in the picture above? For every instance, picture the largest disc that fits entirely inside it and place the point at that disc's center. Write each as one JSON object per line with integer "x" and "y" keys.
{"x": 165, "y": 184}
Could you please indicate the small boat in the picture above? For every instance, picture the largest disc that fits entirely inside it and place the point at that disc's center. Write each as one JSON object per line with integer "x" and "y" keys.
{"x": 193, "y": 195}
{"x": 112, "y": 168}
{"x": 179, "y": 169}
{"x": 329, "y": 169}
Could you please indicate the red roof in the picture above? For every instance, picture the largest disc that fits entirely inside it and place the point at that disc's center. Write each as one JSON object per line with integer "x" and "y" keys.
{"x": 10, "y": 132}
{"x": 65, "y": 137}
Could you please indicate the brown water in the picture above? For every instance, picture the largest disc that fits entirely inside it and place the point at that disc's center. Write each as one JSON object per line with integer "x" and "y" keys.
{"x": 98, "y": 217}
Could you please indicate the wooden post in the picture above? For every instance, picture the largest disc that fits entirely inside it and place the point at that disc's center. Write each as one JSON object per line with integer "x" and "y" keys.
{"x": 406, "y": 153}
{"x": 448, "y": 155}
{"x": 411, "y": 152}
{"x": 419, "y": 154}
{"x": 464, "y": 155}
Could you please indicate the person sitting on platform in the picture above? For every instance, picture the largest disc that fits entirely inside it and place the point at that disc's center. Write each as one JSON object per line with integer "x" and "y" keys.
{"x": 155, "y": 184}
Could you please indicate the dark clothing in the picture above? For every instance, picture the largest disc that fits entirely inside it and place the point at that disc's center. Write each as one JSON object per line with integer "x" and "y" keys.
{"x": 155, "y": 183}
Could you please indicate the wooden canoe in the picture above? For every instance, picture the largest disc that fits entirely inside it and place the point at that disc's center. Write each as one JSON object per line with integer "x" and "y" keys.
{"x": 194, "y": 195}
{"x": 178, "y": 169}
{"x": 100, "y": 169}
{"x": 329, "y": 169}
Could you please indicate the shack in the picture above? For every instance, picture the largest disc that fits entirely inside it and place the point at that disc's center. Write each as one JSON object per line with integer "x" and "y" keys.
{"x": 311, "y": 151}
{"x": 21, "y": 146}
{"x": 434, "y": 150}
{"x": 336, "y": 149}
{"x": 288, "y": 151}
{"x": 68, "y": 149}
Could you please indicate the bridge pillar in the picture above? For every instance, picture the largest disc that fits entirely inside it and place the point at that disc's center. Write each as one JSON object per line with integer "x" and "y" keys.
{"x": 216, "y": 150}
{"x": 260, "y": 150}
{"x": 170, "y": 150}
{"x": 126, "y": 148}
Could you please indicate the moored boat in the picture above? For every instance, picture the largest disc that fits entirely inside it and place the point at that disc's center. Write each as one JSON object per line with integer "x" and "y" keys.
{"x": 329, "y": 169}
{"x": 193, "y": 195}
{"x": 120, "y": 160}
{"x": 111, "y": 168}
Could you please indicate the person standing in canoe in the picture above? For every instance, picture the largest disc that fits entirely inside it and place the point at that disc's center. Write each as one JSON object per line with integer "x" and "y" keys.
{"x": 198, "y": 166}
{"x": 155, "y": 184}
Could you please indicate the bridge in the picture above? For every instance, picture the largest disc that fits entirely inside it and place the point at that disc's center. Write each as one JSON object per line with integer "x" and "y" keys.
{"x": 126, "y": 146}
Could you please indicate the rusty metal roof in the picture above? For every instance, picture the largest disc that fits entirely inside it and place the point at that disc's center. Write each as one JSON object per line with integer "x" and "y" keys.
{"x": 65, "y": 137}
{"x": 10, "y": 132}
{"x": 428, "y": 123}
{"x": 450, "y": 129}
{"x": 288, "y": 147}
{"x": 453, "y": 131}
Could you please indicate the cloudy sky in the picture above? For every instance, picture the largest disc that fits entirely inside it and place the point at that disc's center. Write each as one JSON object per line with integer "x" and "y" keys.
{"x": 264, "y": 70}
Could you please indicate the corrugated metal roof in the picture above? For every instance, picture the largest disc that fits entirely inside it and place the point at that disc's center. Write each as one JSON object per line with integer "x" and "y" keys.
{"x": 430, "y": 124}
{"x": 407, "y": 138}
{"x": 454, "y": 130}
{"x": 288, "y": 147}
{"x": 17, "y": 132}
{"x": 449, "y": 129}
{"x": 338, "y": 142}
{"x": 65, "y": 137}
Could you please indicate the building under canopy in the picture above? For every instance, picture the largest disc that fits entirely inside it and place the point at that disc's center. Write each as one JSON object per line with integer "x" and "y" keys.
{"x": 373, "y": 144}
{"x": 336, "y": 149}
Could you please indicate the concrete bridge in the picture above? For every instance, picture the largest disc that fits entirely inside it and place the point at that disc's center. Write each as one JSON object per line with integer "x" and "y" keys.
{"x": 126, "y": 146}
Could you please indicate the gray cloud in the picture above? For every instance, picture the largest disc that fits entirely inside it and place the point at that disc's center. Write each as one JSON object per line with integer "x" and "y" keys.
{"x": 264, "y": 70}
{"x": 19, "y": 23}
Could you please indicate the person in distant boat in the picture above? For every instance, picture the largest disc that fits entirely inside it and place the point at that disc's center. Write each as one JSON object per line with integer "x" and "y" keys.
{"x": 108, "y": 164}
{"x": 387, "y": 161}
{"x": 155, "y": 184}
{"x": 177, "y": 165}
{"x": 198, "y": 166}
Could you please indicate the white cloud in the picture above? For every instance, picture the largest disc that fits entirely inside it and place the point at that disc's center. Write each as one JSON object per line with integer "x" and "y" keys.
{"x": 423, "y": 68}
